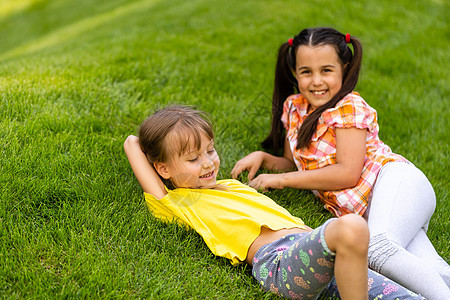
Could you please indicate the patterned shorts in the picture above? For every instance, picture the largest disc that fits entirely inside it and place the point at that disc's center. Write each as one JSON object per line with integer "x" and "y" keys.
{"x": 299, "y": 265}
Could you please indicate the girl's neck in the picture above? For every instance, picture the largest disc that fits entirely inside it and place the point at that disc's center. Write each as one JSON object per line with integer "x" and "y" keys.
{"x": 310, "y": 109}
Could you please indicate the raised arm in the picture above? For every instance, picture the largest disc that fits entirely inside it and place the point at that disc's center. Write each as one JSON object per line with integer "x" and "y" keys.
{"x": 145, "y": 173}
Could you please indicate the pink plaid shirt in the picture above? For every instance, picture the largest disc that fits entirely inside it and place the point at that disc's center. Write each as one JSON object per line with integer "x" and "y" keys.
{"x": 351, "y": 111}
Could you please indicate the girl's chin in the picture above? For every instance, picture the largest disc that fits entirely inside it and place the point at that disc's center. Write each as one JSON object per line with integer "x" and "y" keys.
{"x": 208, "y": 183}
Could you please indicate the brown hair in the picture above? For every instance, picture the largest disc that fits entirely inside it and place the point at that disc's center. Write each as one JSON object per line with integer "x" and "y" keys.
{"x": 286, "y": 83}
{"x": 168, "y": 131}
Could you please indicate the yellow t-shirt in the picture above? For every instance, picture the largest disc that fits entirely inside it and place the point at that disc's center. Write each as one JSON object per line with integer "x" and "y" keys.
{"x": 228, "y": 220}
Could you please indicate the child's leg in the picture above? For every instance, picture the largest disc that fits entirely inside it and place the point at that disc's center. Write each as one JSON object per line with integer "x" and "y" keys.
{"x": 421, "y": 247}
{"x": 401, "y": 206}
{"x": 302, "y": 265}
{"x": 379, "y": 286}
{"x": 348, "y": 237}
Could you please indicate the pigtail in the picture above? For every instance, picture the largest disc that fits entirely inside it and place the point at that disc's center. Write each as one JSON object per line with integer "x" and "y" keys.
{"x": 351, "y": 74}
{"x": 285, "y": 85}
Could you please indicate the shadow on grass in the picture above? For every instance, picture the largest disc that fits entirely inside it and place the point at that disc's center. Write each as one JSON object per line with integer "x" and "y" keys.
{"x": 67, "y": 31}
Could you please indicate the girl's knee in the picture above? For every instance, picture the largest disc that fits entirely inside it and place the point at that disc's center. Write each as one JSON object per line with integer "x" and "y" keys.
{"x": 354, "y": 226}
{"x": 349, "y": 231}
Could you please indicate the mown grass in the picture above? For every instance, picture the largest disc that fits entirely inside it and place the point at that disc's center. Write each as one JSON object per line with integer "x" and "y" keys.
{"x": 76, "y": 77}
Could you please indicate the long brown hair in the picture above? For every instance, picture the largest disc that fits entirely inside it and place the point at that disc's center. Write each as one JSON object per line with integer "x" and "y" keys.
{"x": 286, "y": 84}
{"x": 168, "y": 131}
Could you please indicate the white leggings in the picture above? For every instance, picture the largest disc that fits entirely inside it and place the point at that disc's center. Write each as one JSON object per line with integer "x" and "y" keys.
{"x": 401, "y": 206}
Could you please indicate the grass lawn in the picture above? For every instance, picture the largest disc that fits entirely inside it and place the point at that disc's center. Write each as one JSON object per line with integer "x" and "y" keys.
{"x": 77, "y": 77}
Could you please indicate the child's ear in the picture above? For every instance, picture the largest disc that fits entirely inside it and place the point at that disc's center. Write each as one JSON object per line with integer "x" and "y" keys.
{"x": 162, "y": 169}
{"x": 294, "y": 74}
{"x": 346, "y": 67}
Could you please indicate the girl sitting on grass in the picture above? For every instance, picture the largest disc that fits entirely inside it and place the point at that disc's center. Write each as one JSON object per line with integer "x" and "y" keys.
{"x": 330, "y": 134}
{"x": 175, "y": 149}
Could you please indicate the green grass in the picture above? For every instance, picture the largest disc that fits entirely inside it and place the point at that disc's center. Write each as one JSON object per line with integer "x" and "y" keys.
{"x": 77, "y": 77}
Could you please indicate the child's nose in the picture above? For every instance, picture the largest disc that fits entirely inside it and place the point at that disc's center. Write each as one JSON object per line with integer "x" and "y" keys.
{"x": 317, "y": 79}
{"x": 207, "y": 162}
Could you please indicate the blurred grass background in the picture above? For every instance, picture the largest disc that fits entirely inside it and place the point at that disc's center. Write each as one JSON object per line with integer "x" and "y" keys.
{"x": 77, "y": 77}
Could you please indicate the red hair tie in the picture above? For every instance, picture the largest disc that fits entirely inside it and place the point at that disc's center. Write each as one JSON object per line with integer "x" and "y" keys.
{"x": 290, "y": 41}
{"x": 347, "y": 38}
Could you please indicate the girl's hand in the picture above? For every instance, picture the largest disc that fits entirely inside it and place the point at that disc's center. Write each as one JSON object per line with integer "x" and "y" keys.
{"x": 259, "y": 159}
{"x": 250, "y": 163}
{"x": 264, "y": 182}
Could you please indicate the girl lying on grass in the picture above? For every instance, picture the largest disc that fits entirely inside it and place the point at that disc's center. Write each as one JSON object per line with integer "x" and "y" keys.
{"x": 176, "y": 164}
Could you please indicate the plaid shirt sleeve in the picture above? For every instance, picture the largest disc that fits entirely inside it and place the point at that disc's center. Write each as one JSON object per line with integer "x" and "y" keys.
{"x": 352, "y": 111}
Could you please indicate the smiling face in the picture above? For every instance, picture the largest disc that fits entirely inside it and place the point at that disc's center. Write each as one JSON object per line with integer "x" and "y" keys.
{"x": 319, "y": 73}
{"x": 197, "y": 167}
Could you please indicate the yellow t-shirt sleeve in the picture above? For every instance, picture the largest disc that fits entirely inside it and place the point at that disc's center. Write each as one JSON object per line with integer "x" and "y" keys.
{"x": 160, "y": 208}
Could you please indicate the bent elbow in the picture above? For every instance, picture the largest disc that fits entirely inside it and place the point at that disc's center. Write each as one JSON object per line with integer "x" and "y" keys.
{"x": 354, "y": 181}
{"x": 350, "y": 180}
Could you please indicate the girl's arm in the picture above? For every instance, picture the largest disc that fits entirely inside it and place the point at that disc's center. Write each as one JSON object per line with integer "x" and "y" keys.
{"x": 259, "y": 159}
{"x": 145, "y": 173}
{"x": 350, "y": 155}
